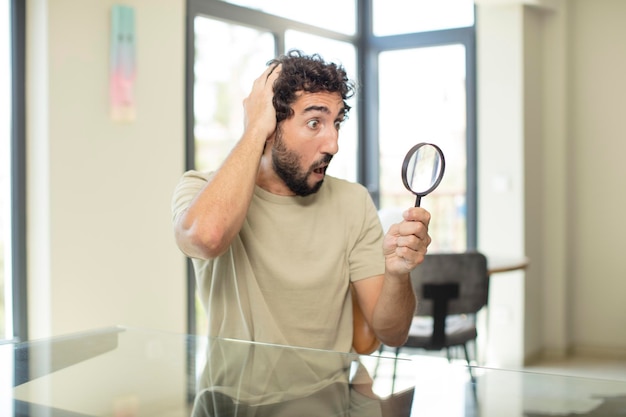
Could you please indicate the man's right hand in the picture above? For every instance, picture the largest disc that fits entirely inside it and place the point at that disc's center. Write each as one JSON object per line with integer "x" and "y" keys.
{"x": 260, "y": 115}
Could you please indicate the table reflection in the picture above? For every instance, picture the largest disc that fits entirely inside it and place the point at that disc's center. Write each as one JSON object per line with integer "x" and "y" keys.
{"x": 242, "y": 379}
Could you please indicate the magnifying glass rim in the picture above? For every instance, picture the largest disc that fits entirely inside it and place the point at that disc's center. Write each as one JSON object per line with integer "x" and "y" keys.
{"x": 405, "y": 167}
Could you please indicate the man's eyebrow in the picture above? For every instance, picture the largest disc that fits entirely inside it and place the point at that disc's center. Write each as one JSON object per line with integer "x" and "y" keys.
{"x": 323, "y": 109}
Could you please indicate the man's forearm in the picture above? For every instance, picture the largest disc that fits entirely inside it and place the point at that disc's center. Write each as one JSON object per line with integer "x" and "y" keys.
{"x": 394, "y": 310}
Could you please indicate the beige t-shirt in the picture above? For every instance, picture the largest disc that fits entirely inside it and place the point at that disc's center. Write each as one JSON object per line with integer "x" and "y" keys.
{"x": 285, "y": 278}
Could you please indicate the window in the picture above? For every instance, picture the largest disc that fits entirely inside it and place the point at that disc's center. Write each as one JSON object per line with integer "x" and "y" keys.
{"x": 430, "y": 82}
{"x": 416, "y": 83}
{"x": 421, "y": 15}
{"x": 223, "y": 72}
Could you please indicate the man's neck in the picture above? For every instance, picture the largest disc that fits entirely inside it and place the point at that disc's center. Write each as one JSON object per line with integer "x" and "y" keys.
{"x": 268, "y": 180}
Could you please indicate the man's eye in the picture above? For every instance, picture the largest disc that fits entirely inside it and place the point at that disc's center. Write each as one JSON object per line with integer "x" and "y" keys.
{"x": 313, "y": 124}
{"x": 338, "y": 124}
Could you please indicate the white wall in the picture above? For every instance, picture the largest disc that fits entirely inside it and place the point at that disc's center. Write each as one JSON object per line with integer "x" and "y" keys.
{"x": 500, "y": 87}
{"x": 597, "y": 175}
{"x": 551, "y": 93}
{"x": 100, "y": 246}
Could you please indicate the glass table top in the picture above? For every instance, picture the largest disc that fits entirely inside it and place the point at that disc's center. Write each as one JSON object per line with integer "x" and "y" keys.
{"x": 127, "y": 372}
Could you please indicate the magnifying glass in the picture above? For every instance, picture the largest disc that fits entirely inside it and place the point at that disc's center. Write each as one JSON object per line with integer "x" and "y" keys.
{"x": 422, "y": 169}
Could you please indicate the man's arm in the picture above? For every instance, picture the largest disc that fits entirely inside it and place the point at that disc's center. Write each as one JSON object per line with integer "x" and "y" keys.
{"x": 215, "y": 216}
{"x": 388, "y": 301}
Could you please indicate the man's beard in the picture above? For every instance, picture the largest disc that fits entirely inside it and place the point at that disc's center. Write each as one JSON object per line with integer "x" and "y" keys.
{"x": 286, "y": 163}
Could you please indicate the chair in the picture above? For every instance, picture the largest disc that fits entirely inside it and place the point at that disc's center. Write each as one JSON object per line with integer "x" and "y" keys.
{"x": 450, "y": 288}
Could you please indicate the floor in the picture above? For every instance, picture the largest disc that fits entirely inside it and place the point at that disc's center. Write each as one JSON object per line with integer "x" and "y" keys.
{"x": 543, "y": 389}
{"x": 587, "y": 367}
{"x": 614, "y": 369}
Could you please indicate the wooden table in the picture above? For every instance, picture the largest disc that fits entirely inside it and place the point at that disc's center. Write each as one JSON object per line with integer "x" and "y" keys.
{"x": 497, "y": 264}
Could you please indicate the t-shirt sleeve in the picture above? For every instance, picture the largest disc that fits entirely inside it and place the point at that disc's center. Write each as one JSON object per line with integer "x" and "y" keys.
{"x": 190, "y": 184}
{"x": 366, "y": 257}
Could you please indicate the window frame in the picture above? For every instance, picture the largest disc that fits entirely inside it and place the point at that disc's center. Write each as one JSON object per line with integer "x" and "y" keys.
{"x": 18, "y": 170}
{"x": 368, "y": 47}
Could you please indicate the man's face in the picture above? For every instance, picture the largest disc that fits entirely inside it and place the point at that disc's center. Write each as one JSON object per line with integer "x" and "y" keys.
{"x": 306, "y": 142}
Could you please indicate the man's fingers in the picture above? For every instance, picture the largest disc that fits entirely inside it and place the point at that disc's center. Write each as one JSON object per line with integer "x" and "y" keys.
{"x": 417, "y": 214}
{"x": 272, "y": 72}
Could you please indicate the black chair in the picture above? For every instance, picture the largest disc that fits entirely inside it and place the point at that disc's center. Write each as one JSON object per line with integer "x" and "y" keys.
{"x": 450, "y": 288}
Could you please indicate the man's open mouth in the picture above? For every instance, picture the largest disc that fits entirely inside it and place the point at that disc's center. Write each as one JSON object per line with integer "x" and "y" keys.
{"x": 320, "y": 170}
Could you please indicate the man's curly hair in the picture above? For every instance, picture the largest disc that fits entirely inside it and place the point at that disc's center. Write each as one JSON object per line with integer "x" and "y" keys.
{"x": 300, "y": 72}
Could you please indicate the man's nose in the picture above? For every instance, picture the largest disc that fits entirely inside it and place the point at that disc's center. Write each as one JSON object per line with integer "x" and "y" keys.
{"x": 331, "y": 142}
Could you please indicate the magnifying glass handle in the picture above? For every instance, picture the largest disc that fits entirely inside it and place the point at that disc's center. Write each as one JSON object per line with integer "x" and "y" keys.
{"x": 418, "y": 200}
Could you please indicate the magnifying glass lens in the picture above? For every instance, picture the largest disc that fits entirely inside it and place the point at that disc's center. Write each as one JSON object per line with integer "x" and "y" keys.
{"x": 422, "y": 169}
